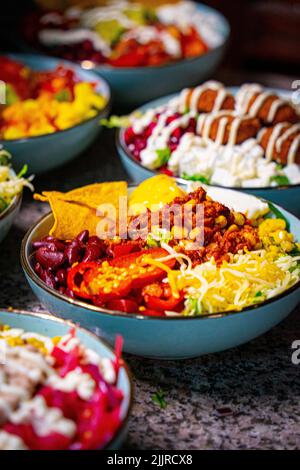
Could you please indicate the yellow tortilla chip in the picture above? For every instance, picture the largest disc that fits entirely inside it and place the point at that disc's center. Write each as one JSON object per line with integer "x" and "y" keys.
{"x": 76, "y": 210}
{"x": 99, "y": 193}
{"x": 71, "y": 219}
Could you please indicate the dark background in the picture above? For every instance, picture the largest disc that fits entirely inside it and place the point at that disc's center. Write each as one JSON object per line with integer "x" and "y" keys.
{"x": 265, "y": 33}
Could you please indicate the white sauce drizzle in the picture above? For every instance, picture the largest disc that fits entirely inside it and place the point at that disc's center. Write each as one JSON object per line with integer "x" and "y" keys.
{"x": 290, "y": 131}
{"x": 293, "y": 150}
{"x": 272, "y": 140}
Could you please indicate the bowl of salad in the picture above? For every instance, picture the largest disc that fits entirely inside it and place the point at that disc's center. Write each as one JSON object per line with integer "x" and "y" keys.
{"x": 143, "y": 51}
{"x": 51, "y": 110}
{"x": 191, "y": 269}
{"x": 245, "y": 138}
{"x": 63, "y": 375}
{"x": 11, "y": 189}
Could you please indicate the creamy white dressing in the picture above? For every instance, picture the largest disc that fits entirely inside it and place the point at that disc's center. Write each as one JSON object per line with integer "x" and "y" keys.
{"x": 104, "y": 363}
{"x": 44, "y": 420}
{"x": 161, "y": 135}
{"x": 75, "y": 380}
{"x": 280, "y": 133}
{"x": 247, "y": 92}
{"x": 146, "y": 34}
{"x": 185, "y": 13}
{"x": 11, "y": 442}
{"x": 56, "y": 37}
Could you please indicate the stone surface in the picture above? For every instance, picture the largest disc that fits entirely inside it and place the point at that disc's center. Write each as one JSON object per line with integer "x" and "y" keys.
{"x": 244, "y": 398}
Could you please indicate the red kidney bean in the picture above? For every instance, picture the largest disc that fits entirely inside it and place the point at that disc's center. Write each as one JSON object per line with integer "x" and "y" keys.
{"x": 73, "y": 251}
{"x": 61, "y": 277}
{"x": 94, "y": 240}
{"x": 53, "y": 245}
{"x": 83, "y": 236}
{"x": 39, "y": 270}
{"x": 50, "y": 280}
{"x": 92, "y": 252}
{"x": 50, "y": 259}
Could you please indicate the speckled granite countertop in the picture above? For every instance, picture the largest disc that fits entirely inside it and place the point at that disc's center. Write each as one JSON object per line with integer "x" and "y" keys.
{"x": 244, "y": 398}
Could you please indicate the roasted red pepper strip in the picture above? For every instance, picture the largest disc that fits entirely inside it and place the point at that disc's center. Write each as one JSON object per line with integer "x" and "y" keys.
{"x": 156, "y": 303}
{"x": 145, "y": 276}
{"x": 75, "y": 279}
{"x": 159, "y": 297}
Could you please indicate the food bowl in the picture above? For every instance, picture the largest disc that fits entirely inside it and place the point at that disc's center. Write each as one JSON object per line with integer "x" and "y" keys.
{"x": 46, "y": 152}
{"x": 51, "y": 326}
{"x": 287, "y": 196}
{"x": 8, "y": 216}
{"x": 166, "y": 337}
{"x": 132, "y": 86}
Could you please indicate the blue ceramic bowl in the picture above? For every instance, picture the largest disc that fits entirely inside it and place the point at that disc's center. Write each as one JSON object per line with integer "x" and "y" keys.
{"x": 286, "y": 196}
{"x": 8, "y": 216}
{"x": 49, "y": 151}
{"x": 51, "y": 326}
{"x": 132, "y": 86}
{"x": 167, "y": 337}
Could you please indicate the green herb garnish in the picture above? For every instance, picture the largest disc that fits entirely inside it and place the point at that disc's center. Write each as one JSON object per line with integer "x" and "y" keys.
{"x": 23, "y": 171}
{"x": 195, "y": 177}
{"x": 279, "y": 214}
{"x": 163, "y": 156}
{"x": 115, "y": 121}
{"x": 159, "y": 398}
{"x": 280, "y": 180}
{"x": 295, "y": 252}
{"x": 63, "y": 95}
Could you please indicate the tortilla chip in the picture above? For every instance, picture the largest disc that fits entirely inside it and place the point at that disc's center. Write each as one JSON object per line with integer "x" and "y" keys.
{"x": 99, "y": 193}
{"x": 71, "y": 219}
{"x": 76, "y": 210}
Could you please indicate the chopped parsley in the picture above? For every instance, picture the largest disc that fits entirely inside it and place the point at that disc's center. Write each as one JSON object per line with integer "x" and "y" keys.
{"x": 159, "y": 398}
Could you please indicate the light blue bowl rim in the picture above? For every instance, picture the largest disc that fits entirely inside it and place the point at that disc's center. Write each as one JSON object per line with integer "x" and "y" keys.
{"x": 27, "y": 267}
{"x": 121, "y": 146}
{"x": 52, "y": 318}
{"x": 78, "y": 70}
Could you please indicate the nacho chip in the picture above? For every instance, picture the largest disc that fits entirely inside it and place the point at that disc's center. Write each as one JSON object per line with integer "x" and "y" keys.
{"x": 76, "y": 210}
